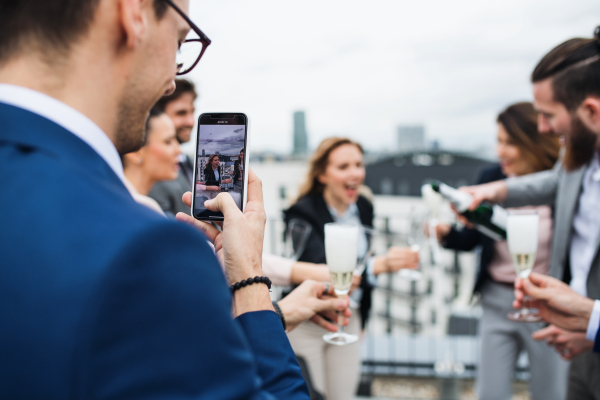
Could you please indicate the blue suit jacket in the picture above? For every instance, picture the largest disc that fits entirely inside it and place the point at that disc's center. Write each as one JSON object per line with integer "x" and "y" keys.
{"x": 101, "y": 298}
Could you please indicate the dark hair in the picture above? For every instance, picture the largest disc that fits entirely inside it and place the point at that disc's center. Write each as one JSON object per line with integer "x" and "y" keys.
{"x": 182, "y": 86}
{"x": 50, "y": 25}
{"x": 575, "y": 68}
{"x": 520, "y": 122}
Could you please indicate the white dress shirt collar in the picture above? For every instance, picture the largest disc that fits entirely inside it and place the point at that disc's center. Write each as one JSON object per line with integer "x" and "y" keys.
{"x": 67, "y": 117}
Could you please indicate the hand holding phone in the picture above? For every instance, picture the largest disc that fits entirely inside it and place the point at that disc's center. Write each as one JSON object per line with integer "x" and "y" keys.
{"x": 239, "y": 244}
{"x": 221, "y": 162}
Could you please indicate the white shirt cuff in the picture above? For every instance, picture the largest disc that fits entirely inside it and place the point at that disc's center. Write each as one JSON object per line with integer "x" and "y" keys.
{"x": 592, "y": 329}
{"x": 371, "y": 277}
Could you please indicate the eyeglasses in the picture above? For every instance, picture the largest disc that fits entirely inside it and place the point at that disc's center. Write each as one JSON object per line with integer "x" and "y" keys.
{"x": 191, "y": 50}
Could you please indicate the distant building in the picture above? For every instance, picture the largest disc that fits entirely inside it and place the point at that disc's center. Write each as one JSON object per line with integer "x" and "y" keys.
{"x": 411, "y": 138}
{"x": 405, "y": 173}
{"x": 300, "y": 135}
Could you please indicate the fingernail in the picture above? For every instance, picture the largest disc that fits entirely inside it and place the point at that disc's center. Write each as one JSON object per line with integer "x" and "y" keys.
{"x": 341, "y": 304}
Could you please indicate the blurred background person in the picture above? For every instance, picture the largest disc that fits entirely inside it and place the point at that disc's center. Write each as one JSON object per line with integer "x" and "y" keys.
{"x": 331, "y": 194}
{"x": 521, "y": 150}
{"x": 157, "y": 160}
{"x": 179, "y": 106}
{"x": 238, "y": 173}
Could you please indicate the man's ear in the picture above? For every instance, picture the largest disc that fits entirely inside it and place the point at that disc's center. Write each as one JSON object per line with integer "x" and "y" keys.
{"x": 133, "y": 20}
{"x": 589, "y": 113}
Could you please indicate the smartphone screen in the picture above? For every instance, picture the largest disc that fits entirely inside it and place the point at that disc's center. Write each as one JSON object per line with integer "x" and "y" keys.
{"x": 220, "y": 161}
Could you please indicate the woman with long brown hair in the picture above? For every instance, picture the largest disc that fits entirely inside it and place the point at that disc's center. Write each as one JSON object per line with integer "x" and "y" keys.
{"x": 521, "y": 150}
{"x": 332, "y": 193}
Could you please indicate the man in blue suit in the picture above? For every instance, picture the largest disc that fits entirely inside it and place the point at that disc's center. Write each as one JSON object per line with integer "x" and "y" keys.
{"x": 101, "y": 298}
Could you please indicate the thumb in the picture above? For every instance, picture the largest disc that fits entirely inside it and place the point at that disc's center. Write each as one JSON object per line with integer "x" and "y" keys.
{"x": 223, "y": 203}
{"x": 534, "y": 291}
{"x": 539, "y": 279}
{"x": 330, "y": 304}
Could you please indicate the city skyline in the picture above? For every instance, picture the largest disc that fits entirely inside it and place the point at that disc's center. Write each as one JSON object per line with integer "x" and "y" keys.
{"x": 363, "y": 70}
{"x": 225, "y": 139}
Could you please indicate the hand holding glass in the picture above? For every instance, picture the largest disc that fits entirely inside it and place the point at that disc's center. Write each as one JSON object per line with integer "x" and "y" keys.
{"x": 522, "y": 235}
{"x": 341, "y": 243}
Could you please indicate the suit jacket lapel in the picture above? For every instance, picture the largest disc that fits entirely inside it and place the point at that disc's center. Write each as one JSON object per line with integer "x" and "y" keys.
{"x": 567, "y": 199}
{"x": 322, "y": 213}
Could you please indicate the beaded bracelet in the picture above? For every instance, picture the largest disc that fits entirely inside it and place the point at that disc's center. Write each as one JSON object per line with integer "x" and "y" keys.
{"x": 278, "y": 311}
{"x": 250, "y": 281}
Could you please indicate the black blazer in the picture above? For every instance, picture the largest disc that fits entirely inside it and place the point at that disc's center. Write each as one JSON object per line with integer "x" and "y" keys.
{"x": 467, "y": 239}
{"x": 313, "y": 210}
{"x": 236, "y": 170}
{"x": 209, "y": 175}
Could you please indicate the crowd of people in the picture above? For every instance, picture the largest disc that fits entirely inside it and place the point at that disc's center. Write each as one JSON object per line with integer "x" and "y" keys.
{"x": 110, "y": 289}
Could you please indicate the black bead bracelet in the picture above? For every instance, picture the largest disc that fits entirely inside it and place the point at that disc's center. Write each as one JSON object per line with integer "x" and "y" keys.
{"x": 250, "y": 281}
{"x": 281, "y": 317}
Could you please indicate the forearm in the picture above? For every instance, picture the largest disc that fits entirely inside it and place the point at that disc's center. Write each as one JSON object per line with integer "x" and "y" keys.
{"x": 533, "y": 189}
{"x": 254, "y": 297}
{"x": 302, "y": 271}
{"x": 274, "y": 358}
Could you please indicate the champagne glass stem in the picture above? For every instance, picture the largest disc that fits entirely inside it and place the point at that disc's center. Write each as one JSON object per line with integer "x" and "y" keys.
{"x": 526, "y": 309}
{"x": 340, "y": 319}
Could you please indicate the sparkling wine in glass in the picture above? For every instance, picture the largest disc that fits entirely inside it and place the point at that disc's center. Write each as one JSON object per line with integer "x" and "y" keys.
{"x": 415, "y": 238}
{"x": 522, "y": 235}
{"x": 341, "y": 243}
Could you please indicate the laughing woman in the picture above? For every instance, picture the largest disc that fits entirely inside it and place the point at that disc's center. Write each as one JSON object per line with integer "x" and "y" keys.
{"x": 331, "y": 194}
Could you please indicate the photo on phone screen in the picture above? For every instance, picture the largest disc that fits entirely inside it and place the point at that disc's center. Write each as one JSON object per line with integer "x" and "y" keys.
{"x": 220, "y": 161}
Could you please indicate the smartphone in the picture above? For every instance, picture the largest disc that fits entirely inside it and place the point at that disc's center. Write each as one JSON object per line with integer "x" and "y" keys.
{"x": 221, "y": 163}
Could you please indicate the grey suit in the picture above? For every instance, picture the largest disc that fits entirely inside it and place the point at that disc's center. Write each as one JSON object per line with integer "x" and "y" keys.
{"x": 563, "y": 189}
{"x": 168, "y": 193}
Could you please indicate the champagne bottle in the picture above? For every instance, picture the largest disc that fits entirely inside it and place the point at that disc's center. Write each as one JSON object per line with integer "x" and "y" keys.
{"x": 488, "y": 218}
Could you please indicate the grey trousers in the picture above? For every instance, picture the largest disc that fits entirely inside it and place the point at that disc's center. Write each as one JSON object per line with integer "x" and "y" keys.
{"x": 334, "y": 370}
{"x": 584, "y": 377}
{"x": 501, "y": 342}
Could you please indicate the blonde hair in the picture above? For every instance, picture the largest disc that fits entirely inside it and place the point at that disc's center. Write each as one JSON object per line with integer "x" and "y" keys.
{"x": 319, "y": 162}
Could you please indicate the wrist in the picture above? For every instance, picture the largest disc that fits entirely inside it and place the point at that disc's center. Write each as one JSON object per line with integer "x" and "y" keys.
{"x": 251, "y": 298}
{"x": 379, "y": 265}
{"x": 590, "y": 315}
{"x": 501, "y": 193}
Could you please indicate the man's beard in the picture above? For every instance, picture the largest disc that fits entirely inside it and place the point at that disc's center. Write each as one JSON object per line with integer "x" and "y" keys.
{"x": 131, "y": 126}
{"x": 184, "y": 131}
{"x": 580, "y": 145}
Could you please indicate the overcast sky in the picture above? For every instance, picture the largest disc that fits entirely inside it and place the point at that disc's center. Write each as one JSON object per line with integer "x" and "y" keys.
{"x": 362, "y": 68}
{"x": 226, "y": 139}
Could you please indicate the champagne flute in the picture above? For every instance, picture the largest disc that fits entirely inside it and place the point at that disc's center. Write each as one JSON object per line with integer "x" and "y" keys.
{"x": 414, "y": 239}
{"x": 522, "y": 235}
{"x": 296, "y": 237}
{"x": 341, "y": 243}
{"x": 366, "y": 236}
